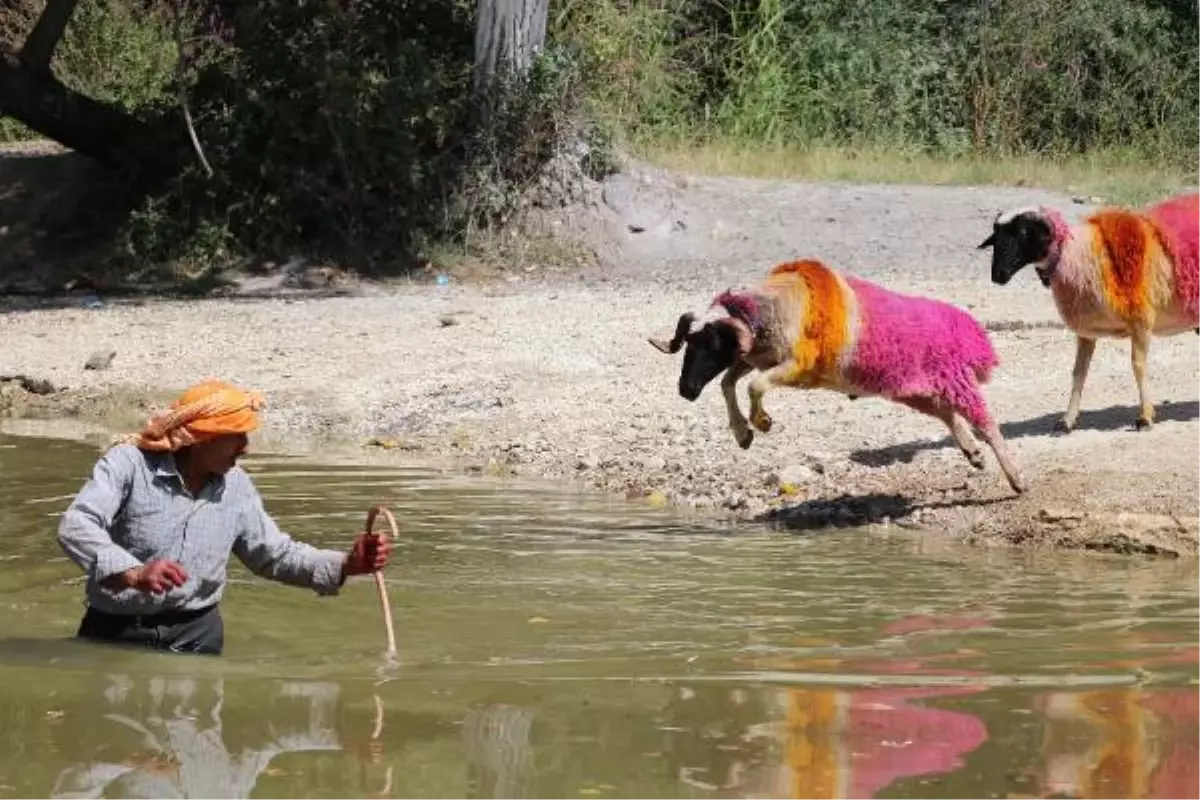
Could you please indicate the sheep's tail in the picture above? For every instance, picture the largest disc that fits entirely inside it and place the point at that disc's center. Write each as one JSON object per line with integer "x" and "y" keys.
{"x": 978, "y": 353}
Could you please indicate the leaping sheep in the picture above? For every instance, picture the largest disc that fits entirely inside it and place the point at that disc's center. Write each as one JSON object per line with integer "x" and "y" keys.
{"x": 1119, "y": 273}
{"x": 808, "y": 326}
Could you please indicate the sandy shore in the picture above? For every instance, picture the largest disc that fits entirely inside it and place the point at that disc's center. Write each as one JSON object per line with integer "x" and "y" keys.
{"x": 547, "y": 373}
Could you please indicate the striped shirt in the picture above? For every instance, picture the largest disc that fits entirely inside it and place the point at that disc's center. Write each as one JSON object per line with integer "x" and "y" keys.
{"x": 136, "y": 508}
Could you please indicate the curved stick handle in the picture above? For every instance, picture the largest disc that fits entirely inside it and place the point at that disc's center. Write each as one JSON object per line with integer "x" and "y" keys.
{"x": 379, "y": 584}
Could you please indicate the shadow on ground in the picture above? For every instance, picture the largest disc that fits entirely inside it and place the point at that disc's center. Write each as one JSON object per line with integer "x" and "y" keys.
{"x": 850, "y": 510}
{"x": 59, "y": 213}
{"x": 844, "y": 511}
{"x": 1113, "y": 418}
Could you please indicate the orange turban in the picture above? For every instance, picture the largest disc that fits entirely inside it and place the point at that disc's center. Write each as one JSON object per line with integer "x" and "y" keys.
{"x": 203, "y": 412}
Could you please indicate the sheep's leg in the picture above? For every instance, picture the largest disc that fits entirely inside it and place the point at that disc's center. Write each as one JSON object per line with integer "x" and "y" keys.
{"x": 961, "y": 433}
{"x": 974, "y": 409}
{"x": 959, "y": 430}
{"x": 1084, "y": 348}
{"x": 737, "y": 422}
{"x": 1141, "y": 345}
{"x": 762, "y": 383}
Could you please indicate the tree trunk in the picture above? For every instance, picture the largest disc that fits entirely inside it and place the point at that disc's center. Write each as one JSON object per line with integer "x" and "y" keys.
{"x": 30, "y": 94}
{"x": 39, "y": 101}
{"x": 508, "y": 35}
{"x": 39, "y": 46}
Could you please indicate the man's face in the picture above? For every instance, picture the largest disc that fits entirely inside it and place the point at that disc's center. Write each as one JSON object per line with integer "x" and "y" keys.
{"x": 218, "y": 456}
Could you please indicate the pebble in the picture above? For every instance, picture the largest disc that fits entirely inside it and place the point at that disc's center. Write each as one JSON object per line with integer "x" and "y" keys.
{"x": 101, "y": 359}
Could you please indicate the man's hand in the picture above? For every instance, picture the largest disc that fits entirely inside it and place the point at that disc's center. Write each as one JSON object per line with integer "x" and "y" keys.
{"x": 154, "y": 577}
{"x": 369, "y": 553}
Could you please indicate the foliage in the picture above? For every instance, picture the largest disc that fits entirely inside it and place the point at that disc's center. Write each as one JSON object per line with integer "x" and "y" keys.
{"x": 947, "y": 77}
{"x": 115, "y": 51}
{"x": 341, "y": 130}
{"x": 347, "y": 129}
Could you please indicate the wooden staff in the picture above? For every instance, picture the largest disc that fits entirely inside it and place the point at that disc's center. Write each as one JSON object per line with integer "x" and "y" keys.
{"x": 379, "y": 584}
{"x": 375, "y": 753}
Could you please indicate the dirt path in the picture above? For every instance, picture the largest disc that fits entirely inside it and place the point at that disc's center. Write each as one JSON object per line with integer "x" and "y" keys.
{"x": 548, "y": 374}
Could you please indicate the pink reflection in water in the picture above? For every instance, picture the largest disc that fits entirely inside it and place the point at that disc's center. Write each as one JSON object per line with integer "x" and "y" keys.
{"x": 839, "y": 743}
{"x": 1121, "y": 742}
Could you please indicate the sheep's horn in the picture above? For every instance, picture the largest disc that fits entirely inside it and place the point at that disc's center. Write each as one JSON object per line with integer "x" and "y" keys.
{"x": 660, "y": 344}
{"x": 681, "y": 331}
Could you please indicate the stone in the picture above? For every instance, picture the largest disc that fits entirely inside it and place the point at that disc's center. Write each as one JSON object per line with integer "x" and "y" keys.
{"x": 793, "y": 475}
{"x": 101, "y": 359}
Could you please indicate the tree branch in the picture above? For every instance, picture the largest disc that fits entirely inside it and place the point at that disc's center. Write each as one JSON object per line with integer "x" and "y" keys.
{"x": 181, "y": 66}
{"x": 47, "y": 31}
{"x": 38, "y": 100}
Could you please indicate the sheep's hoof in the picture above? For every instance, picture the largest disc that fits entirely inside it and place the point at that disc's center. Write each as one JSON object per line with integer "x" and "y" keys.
{"x": 745, "y": 439}
{"x": 975, "y": 458}
{"x": 762, "y": 421}
{"x": 1144, "y": 424}
{"x": 1064, "y": 425}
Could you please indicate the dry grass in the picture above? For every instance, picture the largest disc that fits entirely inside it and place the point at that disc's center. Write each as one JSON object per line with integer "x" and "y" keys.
{"x": 1116, "y": 177}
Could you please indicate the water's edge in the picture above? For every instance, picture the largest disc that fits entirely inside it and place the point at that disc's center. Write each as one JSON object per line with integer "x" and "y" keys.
{"x": 96, "y": 419}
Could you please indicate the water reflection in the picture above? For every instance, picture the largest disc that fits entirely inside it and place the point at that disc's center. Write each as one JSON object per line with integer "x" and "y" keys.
{"x": 182, "y": 736}
{"x": 818, "y": 743}
{"x": 1120, "y": 743}
{"x": 557, "y": 646}
{"x": 498, "y": 750}
{"x": 834, "y": 742}
{"x": 163, "y": 737}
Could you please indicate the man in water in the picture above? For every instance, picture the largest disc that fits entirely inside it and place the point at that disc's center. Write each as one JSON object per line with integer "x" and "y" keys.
{"x": 154, "y": 526}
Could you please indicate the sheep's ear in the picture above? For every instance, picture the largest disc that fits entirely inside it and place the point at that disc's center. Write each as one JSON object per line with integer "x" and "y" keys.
{"x": 988, "y": 242}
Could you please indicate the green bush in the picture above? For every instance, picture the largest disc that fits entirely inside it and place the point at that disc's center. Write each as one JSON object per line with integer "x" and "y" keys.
{"x": 112, "y": 51}
{"x": 941, "y": 76}
{"x": 347, "y": 131}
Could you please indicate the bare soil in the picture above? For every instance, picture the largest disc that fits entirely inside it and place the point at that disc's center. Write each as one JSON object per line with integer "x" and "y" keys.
{"x": 545, "y": 371}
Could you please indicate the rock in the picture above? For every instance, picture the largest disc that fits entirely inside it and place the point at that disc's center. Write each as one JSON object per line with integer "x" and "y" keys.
{"x": 642, "y": 205}
{"x": 101, "y": 359}
{"x": 654, "y": 464}
{"x": 793, "y": 475}
{"x": 31, "y": 385}
{"x": 447, "y": 320}
{"x": 735, "y": 501}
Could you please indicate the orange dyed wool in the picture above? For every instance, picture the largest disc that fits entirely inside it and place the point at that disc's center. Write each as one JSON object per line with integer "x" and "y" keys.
{"x": 1129, "y": 243}
{"x": 822, "y": 334}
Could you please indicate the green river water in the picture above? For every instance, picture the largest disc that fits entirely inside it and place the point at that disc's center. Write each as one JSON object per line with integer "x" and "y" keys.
{"x": 560, "y": 645}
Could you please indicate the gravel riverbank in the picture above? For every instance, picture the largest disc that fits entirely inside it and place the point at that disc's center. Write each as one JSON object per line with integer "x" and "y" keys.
{"x": 548, "y": 374}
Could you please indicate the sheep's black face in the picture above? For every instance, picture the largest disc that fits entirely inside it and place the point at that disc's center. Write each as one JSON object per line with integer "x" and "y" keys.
{"x": 1018, "y": 240}
{"x": 710, "y": 351}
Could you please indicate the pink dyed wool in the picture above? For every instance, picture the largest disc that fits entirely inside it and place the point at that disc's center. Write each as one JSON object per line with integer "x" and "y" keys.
{"x": 741, "y": 305}
{"x": 1177, "y": 221}
{"x": 912, "y": 347}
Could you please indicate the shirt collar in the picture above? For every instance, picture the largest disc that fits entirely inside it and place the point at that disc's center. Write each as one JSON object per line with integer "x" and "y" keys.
{"x": 163, "y": 466}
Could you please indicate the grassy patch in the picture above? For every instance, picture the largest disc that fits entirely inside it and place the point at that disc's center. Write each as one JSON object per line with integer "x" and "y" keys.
{"x": 490, "y": 255}
{"x": 1116, "y": 176}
